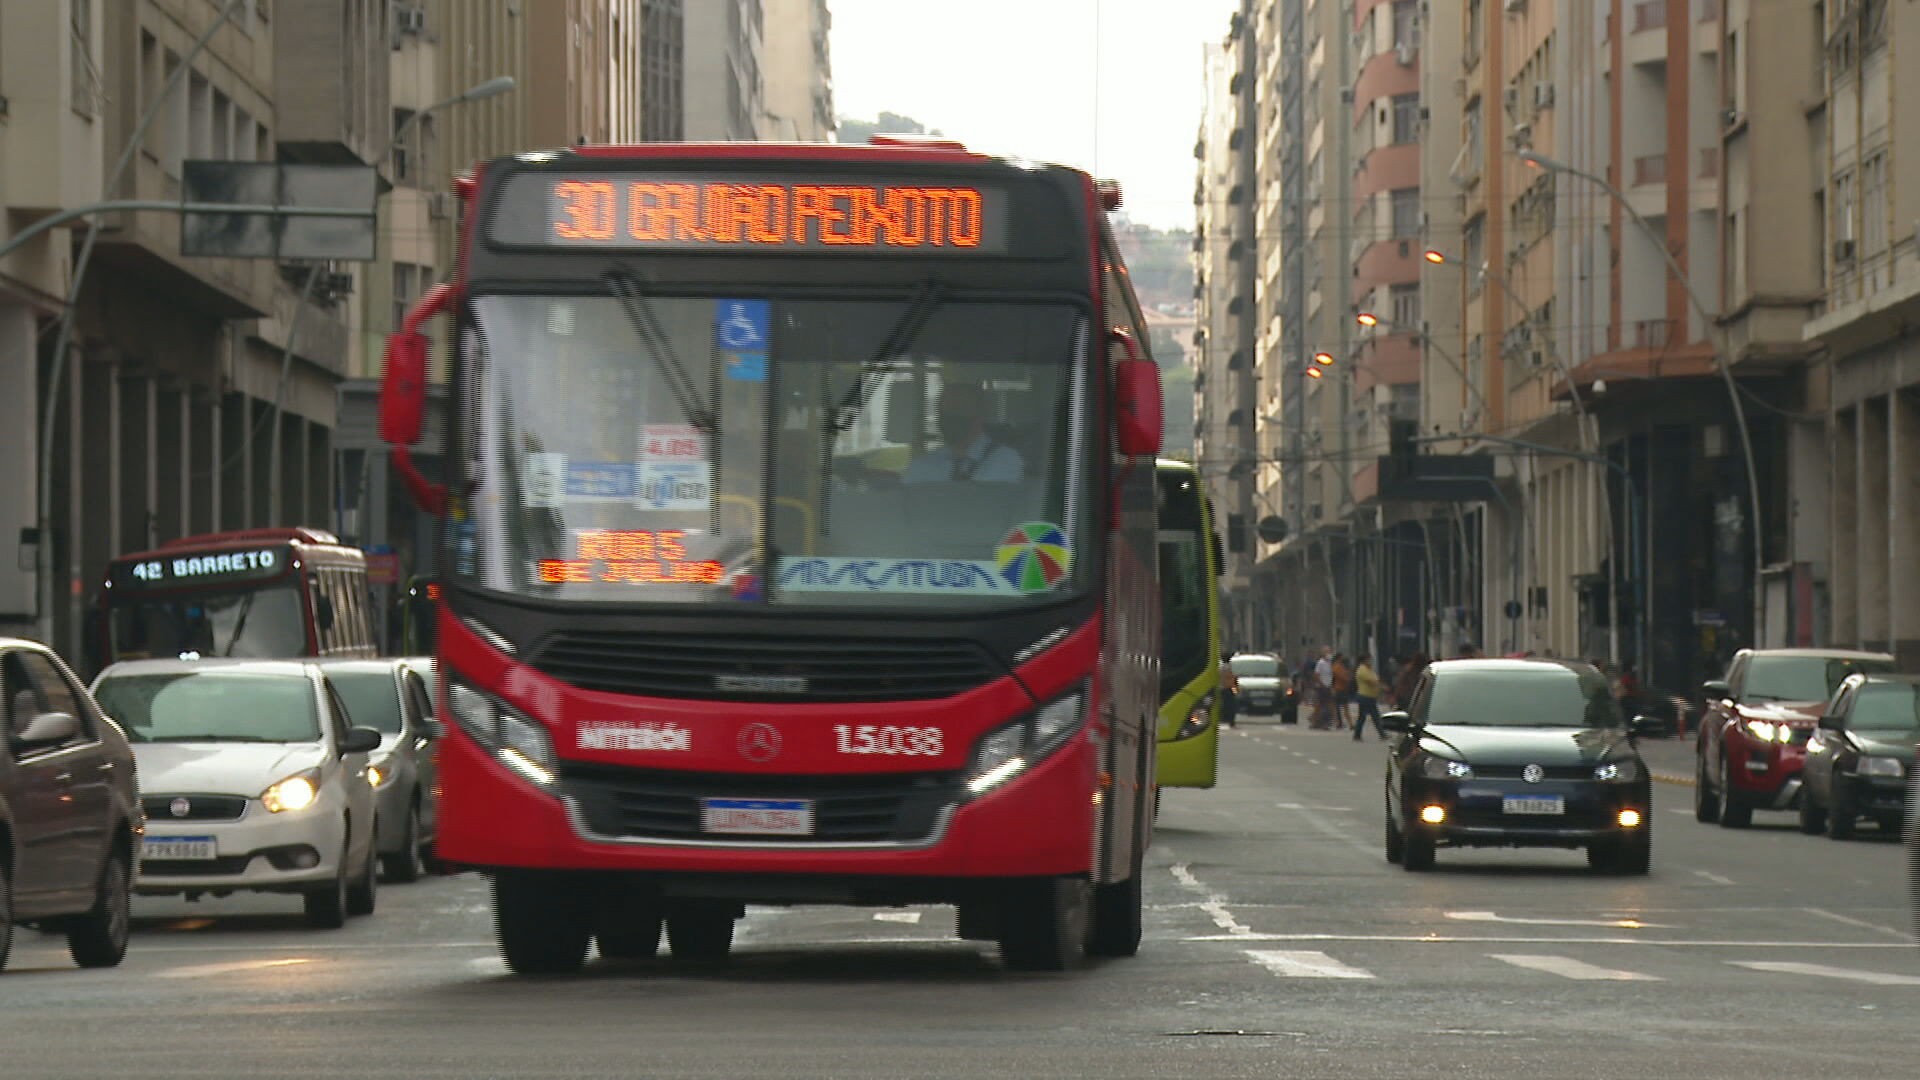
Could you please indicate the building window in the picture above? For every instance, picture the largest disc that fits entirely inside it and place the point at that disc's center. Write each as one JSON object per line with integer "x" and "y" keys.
{"x": 1404, "y": 301}
{"x": 409, "y": 281}
{"x": 84, "y": 77}
{"x": 662, "y": 71}
{"x": 1873, "y": 204}
{"x": 1406, "y": 118}
{"x": 1406, "y": 212}
{"x": 1406, "y": 24}
{"x": 406, "y": 134}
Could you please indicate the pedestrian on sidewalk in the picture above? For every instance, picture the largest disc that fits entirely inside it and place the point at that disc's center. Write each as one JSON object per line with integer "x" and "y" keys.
{"x": 1229, "y": 692}
{"x": 1342, "y": 690}
{"x": 1366, "y": 691}
{"x": 1323, "y": 689}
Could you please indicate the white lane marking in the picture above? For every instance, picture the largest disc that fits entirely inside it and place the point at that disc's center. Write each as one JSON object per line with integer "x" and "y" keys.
{"x": 1351, "y": 773}
{"x": 1304, "y": 806}
{"x": 1677, "y": 810}
{"x": 1305, "y": 965}
{"x": 1860, "y": 924}
{"x": 1568, "y": 968}
{"x": 897, "y": 916}
{"x": 1488, "y": 916}
{"x": 1214, "y": 904}
{"x": 1788, "y": 967}
{"x": 201, "y": 970}
{"x": 1713, "y": 877}
{"x": 1450, "y": 939}
{"x": 1313, "y": 761}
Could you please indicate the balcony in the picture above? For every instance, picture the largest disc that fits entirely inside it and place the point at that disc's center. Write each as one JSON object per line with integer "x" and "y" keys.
{"x": 1649, "y": 169}
{"x": 1653, "y": 333}
{"x": 1649, "y": 15}
{"x": 1646, "y": 42}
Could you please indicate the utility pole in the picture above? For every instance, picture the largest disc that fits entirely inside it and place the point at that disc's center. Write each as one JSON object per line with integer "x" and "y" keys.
{"x": 1342, "y": 123}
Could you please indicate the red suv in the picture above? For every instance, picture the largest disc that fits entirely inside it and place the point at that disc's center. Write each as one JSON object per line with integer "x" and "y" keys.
{"x": 1754, "y": 732}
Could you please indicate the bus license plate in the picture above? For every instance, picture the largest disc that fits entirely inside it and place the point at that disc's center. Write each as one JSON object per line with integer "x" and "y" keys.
{"x": 757, "y": 817}
{"x": 1534, "y": 804}
{"x": 160, "y": 848}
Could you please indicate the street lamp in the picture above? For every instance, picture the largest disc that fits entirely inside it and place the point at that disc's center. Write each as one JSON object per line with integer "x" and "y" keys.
{"x": 1534, "y": 159}
{"x": 493, "y": 87}
{"x": 1370, "y": 320}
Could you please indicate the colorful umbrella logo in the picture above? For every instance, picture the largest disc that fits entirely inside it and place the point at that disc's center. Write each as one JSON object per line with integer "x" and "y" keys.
{"x": 1034, "y": 557}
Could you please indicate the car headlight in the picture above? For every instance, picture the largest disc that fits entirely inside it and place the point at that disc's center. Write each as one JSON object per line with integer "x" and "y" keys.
{"x": 1006, "y": 752}
{"x": 1881, "y": 766}
{"x": 380, "y": 774}
{"x": 1617, "y": 772}
{"x": 1439, "y": 768}
{"x": 1197, "y": 719}
{"x": 296, "y": 792}
{"x": 518, "y": 742}
{"x": 1764, "y": 731}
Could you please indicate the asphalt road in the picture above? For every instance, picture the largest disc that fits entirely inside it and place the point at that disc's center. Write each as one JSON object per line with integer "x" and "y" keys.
{"x": 1279, "y": 943}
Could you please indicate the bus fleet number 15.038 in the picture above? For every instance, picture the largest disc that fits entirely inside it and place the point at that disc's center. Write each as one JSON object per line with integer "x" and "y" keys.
{"x": 888, "y": 740}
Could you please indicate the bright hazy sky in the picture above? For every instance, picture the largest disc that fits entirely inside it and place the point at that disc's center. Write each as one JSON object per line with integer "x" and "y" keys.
{"x": 1017, "y": 77}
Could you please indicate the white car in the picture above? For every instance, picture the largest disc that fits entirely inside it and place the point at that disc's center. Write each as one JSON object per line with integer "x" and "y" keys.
{"x": 252, "y": 780}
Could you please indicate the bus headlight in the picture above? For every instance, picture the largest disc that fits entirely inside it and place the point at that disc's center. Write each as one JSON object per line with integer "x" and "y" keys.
{"x": 1009, "y": 751}
{"x": 1197, "y": 719}
{"x": 518, "y": 742}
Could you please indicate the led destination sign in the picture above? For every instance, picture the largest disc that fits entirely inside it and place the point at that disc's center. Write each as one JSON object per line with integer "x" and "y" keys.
{"x": 224, "y": 567}
{"x": 628, "y": 211}
{"x": 630, "y": 557}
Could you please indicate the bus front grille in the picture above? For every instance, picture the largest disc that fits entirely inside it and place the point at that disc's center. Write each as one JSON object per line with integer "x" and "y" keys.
{"x": 641, "y": 804}
{"x": 746, "y": 668}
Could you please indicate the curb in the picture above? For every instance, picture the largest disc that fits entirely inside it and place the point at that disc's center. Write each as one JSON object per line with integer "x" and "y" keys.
{"x": 1671, "y": 778}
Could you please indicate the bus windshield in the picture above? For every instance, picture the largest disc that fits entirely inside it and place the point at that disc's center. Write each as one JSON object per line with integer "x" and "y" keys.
{"x": 264, "y": 622}
{"x": 1186, "y": 647}
{"x": 822, "y": 453}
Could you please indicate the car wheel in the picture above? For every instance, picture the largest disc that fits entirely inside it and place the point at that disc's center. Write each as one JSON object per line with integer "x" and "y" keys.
{"x": 1840, "y": 815}
{"x": 404, "y": 865}
{"x": 543, "y": 921}
{"x": 1043, "y": 924}
{"x": 628, "y": 933}
{"x": 326, "y": 905}
{"x": 1813, "y": 818}
{"x": 1706, "y": 801}
{"x": 1734, "y": 814}
{"x": 6, "y": 914}
{"x": 363, "y": 894}
{"x": 1417, "y": 853}
{"x": 700, "y": 933}
{"x": 99, "y": 938}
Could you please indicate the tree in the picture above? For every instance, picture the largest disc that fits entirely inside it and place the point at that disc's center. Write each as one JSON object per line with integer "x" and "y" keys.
{"x": 854, "y": 130}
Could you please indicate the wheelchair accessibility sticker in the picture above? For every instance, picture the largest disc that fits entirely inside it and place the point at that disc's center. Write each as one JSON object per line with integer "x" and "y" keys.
{"x": 740, "y": 331}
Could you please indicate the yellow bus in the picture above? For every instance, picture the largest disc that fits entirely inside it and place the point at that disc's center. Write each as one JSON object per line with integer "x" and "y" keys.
{"x": 1190, "y": 699}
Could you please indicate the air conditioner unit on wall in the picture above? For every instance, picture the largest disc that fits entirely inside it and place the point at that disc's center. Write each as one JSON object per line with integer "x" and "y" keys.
{"x": 440, "y": 205}
{"x": 410, "y": 18}
{"x": 1405, "y": 52}
{"x": 1843, "y": 251}
{"x": 1543, "y": 95}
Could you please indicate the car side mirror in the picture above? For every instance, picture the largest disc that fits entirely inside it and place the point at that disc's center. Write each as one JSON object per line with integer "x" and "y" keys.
{"x": 360, "y": 740}
{"x": 1716, "y": 689}
{"x": 48, "y": 729}
{"x": 1833, "y": 723}
{"x": 1395, "y": 721}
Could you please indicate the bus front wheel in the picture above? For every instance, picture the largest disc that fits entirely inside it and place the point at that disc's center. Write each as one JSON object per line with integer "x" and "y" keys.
{"x": 1043, "y": 924}
{"x": 543, "y": 921}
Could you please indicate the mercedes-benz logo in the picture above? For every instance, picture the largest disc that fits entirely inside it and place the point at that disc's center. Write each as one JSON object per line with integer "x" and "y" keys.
{"x": 1533, "y": 774}
{"x": 758, "y": 743}
{"x": 180, "y": 808}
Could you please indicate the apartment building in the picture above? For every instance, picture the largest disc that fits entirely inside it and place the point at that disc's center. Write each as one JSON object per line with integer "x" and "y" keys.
{"x": 723, "y": 88}
{"x": 798, "y": 71}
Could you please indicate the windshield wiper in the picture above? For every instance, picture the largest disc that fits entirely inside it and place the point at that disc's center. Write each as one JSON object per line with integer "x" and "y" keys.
{"x": 240, "y": 624}
{"x": 926, "y": 300}
{"x": 660, "y": 350}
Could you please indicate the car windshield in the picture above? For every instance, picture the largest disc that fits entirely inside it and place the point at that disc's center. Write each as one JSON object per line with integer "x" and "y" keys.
{"x": 1886, "y": 707}
{"x": 255, "y": 623}
{"x": 1803, "y": 678}
{"x": 1547, "y": 696}
{"x": 372, "y": 698}
{"x": 211, "y": 706}
{"x": 795, "y": 452}
{"x": 1256, "y": 666}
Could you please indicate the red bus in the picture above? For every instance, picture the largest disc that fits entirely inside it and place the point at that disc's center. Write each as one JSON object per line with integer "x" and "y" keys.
{"x": 252, "y": 592}
{"x": 803, "y": 547}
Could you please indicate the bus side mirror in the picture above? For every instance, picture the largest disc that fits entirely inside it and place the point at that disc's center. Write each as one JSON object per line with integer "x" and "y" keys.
{"x": 1137, "y": 407}
{"x": 403, "y": 389}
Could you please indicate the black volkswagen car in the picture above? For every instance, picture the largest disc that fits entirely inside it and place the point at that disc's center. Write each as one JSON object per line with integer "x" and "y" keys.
{"x": 1516, "y": 753}
{"x": 1859, "y": 758}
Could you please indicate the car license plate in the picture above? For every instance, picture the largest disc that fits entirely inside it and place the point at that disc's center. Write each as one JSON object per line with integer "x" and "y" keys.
{"x": 1533, "y": 804}
{"x": 757, "y": 817}
{"x": 159, "y": 848}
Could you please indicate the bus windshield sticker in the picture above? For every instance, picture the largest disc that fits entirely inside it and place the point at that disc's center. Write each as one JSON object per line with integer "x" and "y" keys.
{"x": 674, "y": 472}
{"x": 891, "y": 576}
{"x": 544, "y": 477}
{"x": 1034, "y": 557}
{"x": 740, "y": 332}
{"x": 600, "y": 481}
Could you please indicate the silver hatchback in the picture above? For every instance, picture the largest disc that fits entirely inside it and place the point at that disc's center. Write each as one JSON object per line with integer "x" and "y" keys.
{"x": 390, "y": 696}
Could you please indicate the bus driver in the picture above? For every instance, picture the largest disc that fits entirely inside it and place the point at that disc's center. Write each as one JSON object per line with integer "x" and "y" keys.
{"x": 963, "y": 425}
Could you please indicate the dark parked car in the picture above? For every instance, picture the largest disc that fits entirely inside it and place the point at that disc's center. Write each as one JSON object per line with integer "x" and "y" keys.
{"x": 1754, "y": 730}
{"x": 69, "y": 811}
{"x": 1858, "y": 761}
{"x": 1516, "y": 753}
